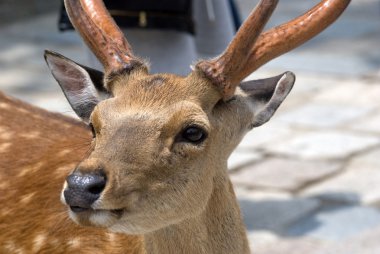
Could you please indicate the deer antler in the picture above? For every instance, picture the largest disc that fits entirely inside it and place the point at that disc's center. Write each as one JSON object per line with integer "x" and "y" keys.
{"x": 222, "y": 70}
{"x": 247, "y": 53}
{"x": 92, "y": 20}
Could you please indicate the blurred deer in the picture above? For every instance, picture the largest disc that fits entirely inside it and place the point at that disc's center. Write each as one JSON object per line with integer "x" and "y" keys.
{"x": 153, "y": 176}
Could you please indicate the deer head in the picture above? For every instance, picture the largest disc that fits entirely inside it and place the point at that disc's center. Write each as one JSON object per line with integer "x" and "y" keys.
{"x": 161, "y": 142}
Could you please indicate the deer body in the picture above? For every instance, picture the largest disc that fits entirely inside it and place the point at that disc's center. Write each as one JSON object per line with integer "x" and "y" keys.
{"x": 153, "y": 176}
{"x": 34, "y": 163}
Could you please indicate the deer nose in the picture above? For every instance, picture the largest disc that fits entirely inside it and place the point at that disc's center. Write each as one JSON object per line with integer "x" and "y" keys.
{"x": 83, "y": 190}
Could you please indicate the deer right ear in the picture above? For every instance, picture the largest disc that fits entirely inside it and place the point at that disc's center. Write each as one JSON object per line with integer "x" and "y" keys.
{"x": 82, "y": 86}
{"x": 266, "y": 95}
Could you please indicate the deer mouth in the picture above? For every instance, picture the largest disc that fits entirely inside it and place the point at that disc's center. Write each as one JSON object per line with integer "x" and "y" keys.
{"x": 82, "y": 210}
{"x": 78, "y": 209}
{"x": 95, "y": 217}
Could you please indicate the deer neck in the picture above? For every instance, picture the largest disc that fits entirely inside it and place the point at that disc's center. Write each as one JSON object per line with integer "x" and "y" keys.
{"x": 218, "y": 229}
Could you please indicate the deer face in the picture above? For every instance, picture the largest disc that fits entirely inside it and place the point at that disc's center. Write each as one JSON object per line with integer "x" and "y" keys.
{"x": 161, "y": 141}
{"x": 152, "y": 152}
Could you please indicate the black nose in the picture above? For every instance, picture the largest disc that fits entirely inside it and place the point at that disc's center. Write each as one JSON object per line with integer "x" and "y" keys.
{"x": 83, "y": 190}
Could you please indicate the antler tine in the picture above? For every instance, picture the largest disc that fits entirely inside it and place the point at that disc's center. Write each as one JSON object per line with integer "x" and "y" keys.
{"x": 288, "y": 36}
{"x": 92, "y": 20}
{"x": 222, "y": 70}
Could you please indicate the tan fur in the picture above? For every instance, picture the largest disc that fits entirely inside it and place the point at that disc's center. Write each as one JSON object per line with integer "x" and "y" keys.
{"x": 175, "y": 189}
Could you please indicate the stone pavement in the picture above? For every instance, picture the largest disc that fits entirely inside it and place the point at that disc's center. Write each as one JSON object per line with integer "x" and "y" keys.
{"x": 309, "y": 180}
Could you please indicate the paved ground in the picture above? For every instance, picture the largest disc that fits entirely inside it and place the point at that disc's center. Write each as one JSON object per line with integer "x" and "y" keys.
{"x": 308, "y": 181}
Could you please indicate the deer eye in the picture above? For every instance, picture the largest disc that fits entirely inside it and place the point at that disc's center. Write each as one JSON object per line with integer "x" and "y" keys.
{"x": 193, "y": 134}
{"x": 92, "y": 130}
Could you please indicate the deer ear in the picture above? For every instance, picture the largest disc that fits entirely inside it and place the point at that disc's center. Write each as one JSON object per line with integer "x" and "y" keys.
{"x": 266, "y": 95}
{"x": 82, "y": 86}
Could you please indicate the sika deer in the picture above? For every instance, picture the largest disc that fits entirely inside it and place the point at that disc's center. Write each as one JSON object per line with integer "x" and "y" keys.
{"x": 155, "y": 170}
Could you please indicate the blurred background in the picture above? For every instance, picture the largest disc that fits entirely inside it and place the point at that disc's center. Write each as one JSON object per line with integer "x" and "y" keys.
{"x": 309, "y": 180}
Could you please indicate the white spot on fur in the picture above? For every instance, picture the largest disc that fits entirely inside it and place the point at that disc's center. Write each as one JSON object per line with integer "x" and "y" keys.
{"x": 4, "y": 185}
{"x": 74, "y": 242}
{"x": 9, "y": 245}
{"x": 5, "y": 133}
{"x": 12, "y": 248}
{"x": 27, "y": 198}
{"x": 31, "y": 169}
{"x": 55, "y": 242}
{"x": 31, "y": 135}
{"x": 39, "y": 242}
{"x": 4, "y": 147}
{"x": 63, "y": 153}
{"x": 4, "y": 105}
{"x": 111, "y": 237}
{"x": 22, "y": 110}
{"x": 5, "y": 211}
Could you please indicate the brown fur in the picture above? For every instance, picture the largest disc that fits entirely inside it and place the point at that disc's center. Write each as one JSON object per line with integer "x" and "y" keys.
{"x": 38, "y": 150}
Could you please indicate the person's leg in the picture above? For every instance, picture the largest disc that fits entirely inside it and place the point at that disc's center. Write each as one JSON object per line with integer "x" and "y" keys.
{"x": 214, "y": 27}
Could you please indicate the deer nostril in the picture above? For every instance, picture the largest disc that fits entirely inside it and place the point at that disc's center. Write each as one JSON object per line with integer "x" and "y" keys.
{"x": 97, "y": 187}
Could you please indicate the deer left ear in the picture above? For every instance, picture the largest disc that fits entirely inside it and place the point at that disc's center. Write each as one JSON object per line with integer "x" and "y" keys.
{"x": 266, "y": 95}
{"x": 82, "y": 86}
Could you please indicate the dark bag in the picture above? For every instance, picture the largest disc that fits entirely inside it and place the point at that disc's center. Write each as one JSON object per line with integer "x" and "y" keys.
{"x": 156, "y": 14}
